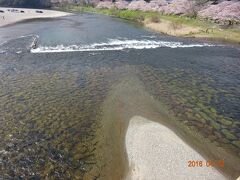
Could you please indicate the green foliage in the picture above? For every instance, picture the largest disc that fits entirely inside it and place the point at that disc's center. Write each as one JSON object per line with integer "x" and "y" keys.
{"x": 138, "y": 16}
{"x": 155, "y": 19}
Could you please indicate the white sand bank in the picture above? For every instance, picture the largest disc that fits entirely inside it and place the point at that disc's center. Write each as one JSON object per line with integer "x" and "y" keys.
{"x": 8, "y": 17}
{"x": 156, "y": 153}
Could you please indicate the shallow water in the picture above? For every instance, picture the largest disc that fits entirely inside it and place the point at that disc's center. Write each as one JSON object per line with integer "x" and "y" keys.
{"x": 56, "y": 77}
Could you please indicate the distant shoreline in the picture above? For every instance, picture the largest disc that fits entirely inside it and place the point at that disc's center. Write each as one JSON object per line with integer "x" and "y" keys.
{"x": 10, "y": 15}
{"x": 172, "y": 25}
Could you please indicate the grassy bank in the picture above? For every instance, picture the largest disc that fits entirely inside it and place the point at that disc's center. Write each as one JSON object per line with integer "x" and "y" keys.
{"x": 169, "y": 24}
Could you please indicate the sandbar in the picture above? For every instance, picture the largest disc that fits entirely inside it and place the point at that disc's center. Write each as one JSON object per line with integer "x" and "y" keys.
{"x": 156, "y": 152}
{"x": 13, "y": 15}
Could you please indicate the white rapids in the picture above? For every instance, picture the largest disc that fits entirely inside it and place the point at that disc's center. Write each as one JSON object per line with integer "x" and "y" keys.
{"x": 116, "y": 44}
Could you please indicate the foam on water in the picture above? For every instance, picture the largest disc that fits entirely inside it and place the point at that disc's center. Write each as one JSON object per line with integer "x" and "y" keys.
{"x": 116, "y": 44}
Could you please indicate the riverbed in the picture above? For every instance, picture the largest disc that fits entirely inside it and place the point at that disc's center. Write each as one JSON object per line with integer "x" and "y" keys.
{"x": 69, "y": 87}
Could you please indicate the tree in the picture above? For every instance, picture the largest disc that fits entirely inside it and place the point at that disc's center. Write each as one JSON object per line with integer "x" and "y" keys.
{"x": 202, "y": 2}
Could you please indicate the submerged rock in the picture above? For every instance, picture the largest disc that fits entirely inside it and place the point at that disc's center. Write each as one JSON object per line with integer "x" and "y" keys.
{"x": 228, "y": 134}
{"x": 237, "y": 143}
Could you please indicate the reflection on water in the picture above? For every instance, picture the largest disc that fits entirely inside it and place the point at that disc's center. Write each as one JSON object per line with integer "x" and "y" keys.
{"x": 51, "y": 103}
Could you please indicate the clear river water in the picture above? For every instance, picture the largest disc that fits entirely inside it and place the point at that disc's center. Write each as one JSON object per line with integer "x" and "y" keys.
{"x": 68, "y": 87}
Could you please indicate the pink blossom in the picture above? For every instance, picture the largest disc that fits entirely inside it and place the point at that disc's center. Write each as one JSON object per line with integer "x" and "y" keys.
{"x": 105, "y": 5}
{"x": 225, "y": 11}
{"x": 179, "y": 7}
{"x": 137, "y": 5}
{"x": 121, "y": 4}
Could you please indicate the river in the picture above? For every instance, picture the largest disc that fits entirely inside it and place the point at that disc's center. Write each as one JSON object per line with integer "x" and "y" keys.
{"x": 69, "y": 86}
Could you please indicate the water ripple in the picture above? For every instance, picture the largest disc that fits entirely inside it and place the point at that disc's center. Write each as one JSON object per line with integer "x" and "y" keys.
{"x": 116, "y": 44}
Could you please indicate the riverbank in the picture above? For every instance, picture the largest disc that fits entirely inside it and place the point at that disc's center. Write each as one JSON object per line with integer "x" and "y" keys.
{"x": 154, "y": 151}
{"x": 13, "y": 15}
{"x": 169, "y": 24}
